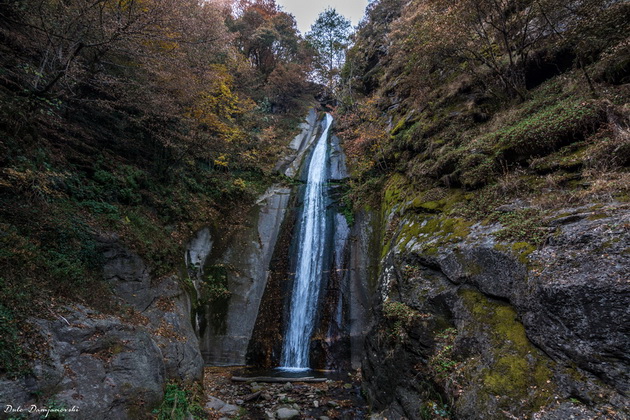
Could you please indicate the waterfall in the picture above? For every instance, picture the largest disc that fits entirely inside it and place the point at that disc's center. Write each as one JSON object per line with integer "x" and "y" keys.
{"x": 310, "y": 259}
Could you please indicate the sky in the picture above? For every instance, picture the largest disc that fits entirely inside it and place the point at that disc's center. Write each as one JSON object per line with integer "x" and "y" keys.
{"x": 306, "y": 11}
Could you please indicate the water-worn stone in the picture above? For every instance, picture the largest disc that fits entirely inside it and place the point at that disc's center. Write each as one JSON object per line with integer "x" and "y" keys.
{"x": 229, "y": 409}
{"x": 250, "y": 250}
{"x": 221, "y": 406}
{"x": 214, "y": 403}
{"x": 198, "y": 250}
{"x": 287, "y": 413}
{"x": 290, "y": 163}
{"x": 255, "y": 387}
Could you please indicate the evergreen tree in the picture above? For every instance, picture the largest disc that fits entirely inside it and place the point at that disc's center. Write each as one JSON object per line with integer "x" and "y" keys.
{"x": 330, "y": 36}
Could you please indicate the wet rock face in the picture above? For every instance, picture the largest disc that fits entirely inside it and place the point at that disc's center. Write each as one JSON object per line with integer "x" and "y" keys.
{"x": 199, "y": 249}
{"x": 290, "y": 164}
{"x": 247, "y": 256}
{"x": 475, "y": 327}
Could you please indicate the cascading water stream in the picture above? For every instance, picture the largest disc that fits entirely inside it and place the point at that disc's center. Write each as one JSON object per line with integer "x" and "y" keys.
{"x": 310, "y": 259}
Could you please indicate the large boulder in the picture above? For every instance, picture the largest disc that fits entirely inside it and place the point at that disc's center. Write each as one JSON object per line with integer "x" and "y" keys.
{"x": 113, "y": 367}
{"x": 95, "y": 366}
{"x": 163, "y": 303}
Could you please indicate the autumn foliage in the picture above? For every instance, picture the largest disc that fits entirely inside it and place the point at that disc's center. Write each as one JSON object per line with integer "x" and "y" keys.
{"x": 138, "y": 119}
{"x": 200, "y": 70}
{"x": 463, "y": 94}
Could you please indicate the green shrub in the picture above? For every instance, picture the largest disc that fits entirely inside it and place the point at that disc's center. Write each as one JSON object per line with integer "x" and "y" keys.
{"x": 178, "y": 404}
{"x": 214, "y": 289}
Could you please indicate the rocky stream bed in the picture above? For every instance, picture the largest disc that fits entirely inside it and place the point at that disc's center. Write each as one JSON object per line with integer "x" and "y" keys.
{"x": 332, "y": 399}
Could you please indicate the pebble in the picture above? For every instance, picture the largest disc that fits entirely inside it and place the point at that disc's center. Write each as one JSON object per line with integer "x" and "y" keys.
{"x": 282, "y": 401}
{"x": 221, "y": 406}
{"x": 214, "y": 403}
{"x": 256, "y": 387}
{"x": 287, "y": 387}
{"x": 229, "y": 409}
{"x": 287, "y": 413}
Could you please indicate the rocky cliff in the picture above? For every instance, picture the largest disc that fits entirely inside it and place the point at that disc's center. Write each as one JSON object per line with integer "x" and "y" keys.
{"x": 471, "y": 325}
{"x": 491, "y": 141}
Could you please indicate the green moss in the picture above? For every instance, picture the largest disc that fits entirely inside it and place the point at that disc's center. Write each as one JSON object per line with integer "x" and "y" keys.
{"x": 432, "y": 232}
{"x": 437, "y": 200}
{"x": 507, "y": 376}
{"x": 508, "y": 327}
{"x": 522, "y": 251}
{"x": 426, "y": 205}
{"x": 516, "y": 370}
{"x": 393, "y": 192}
{"x": 117, "y": 348}
{"x": 403, "y": 124}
